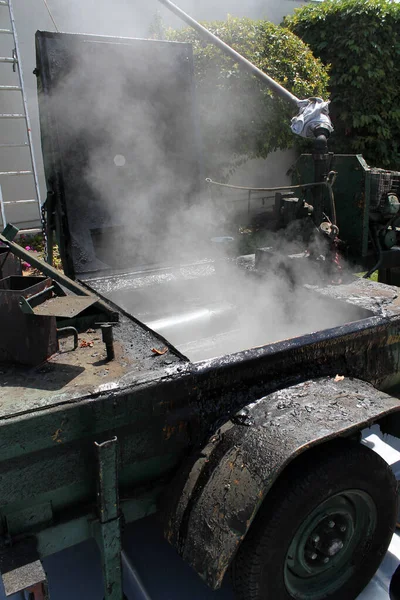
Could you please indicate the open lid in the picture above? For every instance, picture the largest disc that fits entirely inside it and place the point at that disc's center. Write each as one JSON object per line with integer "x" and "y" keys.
{"x": 120, "y": 144}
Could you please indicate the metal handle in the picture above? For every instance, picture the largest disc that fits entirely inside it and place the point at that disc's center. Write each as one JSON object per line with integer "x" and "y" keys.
{"x": 67, "y": 331}
{"x": 271, "y": 83}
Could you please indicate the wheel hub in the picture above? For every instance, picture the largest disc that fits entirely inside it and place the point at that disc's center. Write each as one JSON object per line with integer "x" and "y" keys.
{"x": 319, "y": 558}
{"x": 328, "y": 539}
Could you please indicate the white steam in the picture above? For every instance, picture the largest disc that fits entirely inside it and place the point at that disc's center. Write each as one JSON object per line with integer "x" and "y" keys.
{"x": 126, "y": 132}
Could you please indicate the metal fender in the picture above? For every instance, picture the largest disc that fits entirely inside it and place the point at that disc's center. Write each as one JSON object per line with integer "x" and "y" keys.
{"x": 218, "y": 492}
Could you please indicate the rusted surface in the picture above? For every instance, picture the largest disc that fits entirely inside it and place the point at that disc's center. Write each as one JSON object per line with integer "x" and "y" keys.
{"x": 9, "y": 264}
{"x": 64, "y": 306}
{"x": 367, "y": 349}
{"x": 380, "y": 299}
{"x": 219, "y": 494}
{"x": 212, "y": 309}
{"x": 25, "y": 339}
{"x": 164, "y": 408}
{"x": 73, "y": 375}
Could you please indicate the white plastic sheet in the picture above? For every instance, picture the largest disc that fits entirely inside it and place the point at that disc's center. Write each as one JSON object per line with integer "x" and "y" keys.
{"x": 314, "y": 113}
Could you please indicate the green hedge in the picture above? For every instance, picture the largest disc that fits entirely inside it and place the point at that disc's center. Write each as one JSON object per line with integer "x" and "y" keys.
{"x": 239, "y": 118}
{"x": 360, "y": 41}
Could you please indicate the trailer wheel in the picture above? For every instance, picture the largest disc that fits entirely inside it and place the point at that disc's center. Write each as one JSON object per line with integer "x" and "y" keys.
{"x": 324, "y": 530}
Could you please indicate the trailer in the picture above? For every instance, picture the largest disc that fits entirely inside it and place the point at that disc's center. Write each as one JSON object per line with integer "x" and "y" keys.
{"x": 150, "y": 379}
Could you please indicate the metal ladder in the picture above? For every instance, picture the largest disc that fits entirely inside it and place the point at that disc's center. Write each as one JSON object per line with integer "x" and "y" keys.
{"x": 14, "y": 60}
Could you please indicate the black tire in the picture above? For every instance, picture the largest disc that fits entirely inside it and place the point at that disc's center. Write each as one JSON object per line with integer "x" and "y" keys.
{"x": 334, "y": 473}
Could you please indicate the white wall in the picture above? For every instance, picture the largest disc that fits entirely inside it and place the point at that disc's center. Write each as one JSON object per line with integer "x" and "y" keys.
{"x": 129, "y": 18}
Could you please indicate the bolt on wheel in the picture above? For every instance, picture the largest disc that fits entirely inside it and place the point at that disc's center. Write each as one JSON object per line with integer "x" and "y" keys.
{"x": 319, "y": 557}
{"x": 323, "y": 531}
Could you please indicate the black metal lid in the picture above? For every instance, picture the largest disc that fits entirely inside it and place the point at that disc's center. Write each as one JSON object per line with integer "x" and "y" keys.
{"x": 120, "y": 143}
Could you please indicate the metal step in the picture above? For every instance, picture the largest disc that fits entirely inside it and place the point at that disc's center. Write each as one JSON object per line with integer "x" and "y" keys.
{"x": 15, "y": 173}
{"x": 12, "y": 116}
{"x": 3, "y": 3}
{"x": 8, "y": 59}
{"x": 6, "y": 31}
{"x": 10, "y": 88}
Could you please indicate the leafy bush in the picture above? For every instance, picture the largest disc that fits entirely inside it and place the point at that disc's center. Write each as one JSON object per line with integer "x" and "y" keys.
{"x": 36, "y": 245}
{"x": 360, "y": 41}
{"x": 239, "y": 118}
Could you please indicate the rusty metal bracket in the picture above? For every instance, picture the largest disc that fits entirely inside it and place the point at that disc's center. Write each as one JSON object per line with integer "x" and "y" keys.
{"x": 9, "y": 234}
{"x": 25, "y": 303}
{"x": 54, "y": 302}
{"x": 68, "y": 331}
{"x": 107, "y": 530}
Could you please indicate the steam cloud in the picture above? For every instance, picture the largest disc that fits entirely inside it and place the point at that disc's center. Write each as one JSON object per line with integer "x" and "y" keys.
{"x": 135, "y": 201}
{"x": 133, "y": 17}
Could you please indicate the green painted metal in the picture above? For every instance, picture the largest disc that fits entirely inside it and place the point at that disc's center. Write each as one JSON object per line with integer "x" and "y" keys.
{"x": 109, "y": 541}
{"x": 10, "y": 232}
{"x": 23, "y": 520}
{"x": 363, "y": 202}
{"x": 64, "y": 535}
{"x": 77, "y": 529}
{"x": 107, "y": 492}
{"x": 319, "y": 559}
{"x": 56, "y": 275}
{"x": 352, "y": 196}
{"x": 107, "y": 530}
{"x": 47, "y": 434}
{"x": 25, "y": 304}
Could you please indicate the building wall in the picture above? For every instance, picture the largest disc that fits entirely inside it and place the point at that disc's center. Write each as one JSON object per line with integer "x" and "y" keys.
{"x": 129, "y": 18}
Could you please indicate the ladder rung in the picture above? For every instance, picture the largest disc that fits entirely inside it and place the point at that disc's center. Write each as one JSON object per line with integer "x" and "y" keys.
{"x": 3, "y": 3}
{"x": 19, "y": 201}
{"x": 9, "y": 31}
{"x": 8, "y": 59}
{"x": 29, "y": 231}
{"x": 16, "y": 173}
{"x": 22, "y": 145}
{"x": 10, "y": 88}
{"x": 12, "y": 116}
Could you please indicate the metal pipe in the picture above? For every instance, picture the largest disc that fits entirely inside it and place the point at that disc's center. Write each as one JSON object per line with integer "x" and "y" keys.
{"x": 320, "y": 157}
{"x": 108, "y": 339}
{"x": 2, "y": 209}
{"x": 300, "y": 186}
{"x": 377, "y": 266}
{"x": 332, "y": 203}
{"x": 213, "y": 39}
